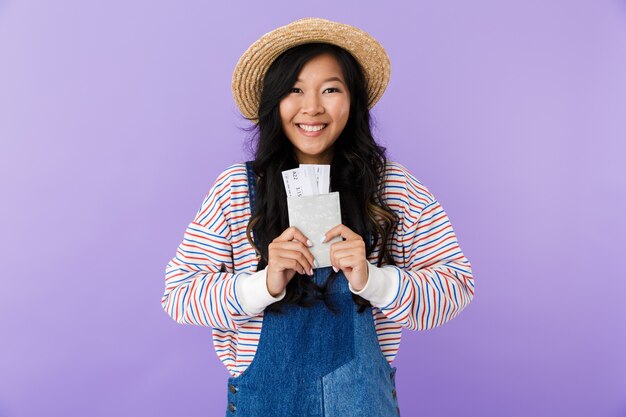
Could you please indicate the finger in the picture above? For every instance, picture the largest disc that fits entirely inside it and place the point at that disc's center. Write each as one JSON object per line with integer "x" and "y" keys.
{"x": 295, "y": 246}
{"x": 303, "y": 264}
{"x": 348, "y": 245}
{"x": 292, "y": 233}
{"x": 341, "y": 230}
{"x": 348, "y": 249}
{"x": 285, "y": 264}
{"x": 349, "y": 261}
{"x": 356, "y": 247}
{"x": 349, "y": 252}
{"x": 333, "y": 260}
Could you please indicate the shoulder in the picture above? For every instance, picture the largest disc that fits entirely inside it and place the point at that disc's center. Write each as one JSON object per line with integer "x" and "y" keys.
{"x": 232, "y": 174}
{"x": 229, "y": 184}
{"x": 404, "y": 193}
{"x": 232, "y": 178}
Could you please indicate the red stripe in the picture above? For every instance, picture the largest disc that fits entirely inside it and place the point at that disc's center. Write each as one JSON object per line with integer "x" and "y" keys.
{"x": 249, "y": 339}
{"x": 220, "y": 255}
{"x": 435, "y": 310}
{"x": 217, "y": 207}
{"x": 235, "y": 219}
{"x": 170, "y": 277}
{"x": 191, "y": 294}
{"x": 240, "y": 350}
{"x": 208, "y": 238}
{"x": 424, "y": 302}
{"x": 216, "y": 308}
{"x": 437, "y": 255}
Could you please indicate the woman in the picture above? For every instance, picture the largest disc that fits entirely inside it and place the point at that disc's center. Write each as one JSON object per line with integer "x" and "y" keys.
{"x": 300, "y": 340}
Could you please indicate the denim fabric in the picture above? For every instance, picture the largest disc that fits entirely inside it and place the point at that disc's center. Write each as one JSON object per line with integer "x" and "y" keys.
{"x": 313, "y": 362}
{"x": 251, "y": 185}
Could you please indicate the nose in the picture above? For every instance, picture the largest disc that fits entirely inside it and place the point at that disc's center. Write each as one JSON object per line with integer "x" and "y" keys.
{"x": 312, "y": 104}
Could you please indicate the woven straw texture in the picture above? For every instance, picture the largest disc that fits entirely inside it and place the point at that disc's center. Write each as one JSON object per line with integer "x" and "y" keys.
{"x": 248, "y": 76}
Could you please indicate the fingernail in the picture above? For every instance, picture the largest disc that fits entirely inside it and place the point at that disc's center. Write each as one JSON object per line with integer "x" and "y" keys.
{"x": 335, "y": 269}
{"x": 309, "y": 243}
{"x": 323, "y": 238}
{"x": 311, "y": 271}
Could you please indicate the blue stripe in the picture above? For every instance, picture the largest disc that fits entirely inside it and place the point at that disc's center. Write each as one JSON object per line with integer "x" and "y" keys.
{"x": 456, "y": 300}
{"x": 240, "y": 308}
{"x": 435, "y": 250}
{"x": 238, "y": 210}
{"x": 226, "y": 349}
{"x": 451, "y": 266}
{"x": 219, "y": 210}
{"x": 439, "y": 304}
{"x": 448, "y": 310}
{"x": 255, "y": 333}
{"x": 244, "y": 243}
{"x": 204, "y": 254}
{"x": 182, "y": 301}
{"x": 221, "y": 306}
{"x": 419, "y": 302}
{"x": 233, "y": 332}
{"x": 225, "y": 249}
{"x": 428, "y": 197}
{"x": 427, "y": 303}
{"x": 177, "y": 281}
{"x": 205, "y": 266}
{"x": 391, "y": 187}
{"x": 202, "y": 288}
{"x": 210, "y": 234}
{"x": 211, "y": 307}
{"x": 432, "y": 215}
{"x": 400, "y": 312}
{"x": 388, "y": 333}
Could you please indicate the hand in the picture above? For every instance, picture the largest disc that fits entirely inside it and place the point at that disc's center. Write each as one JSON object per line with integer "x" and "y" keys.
{"x": 349, "y": 255}
{"x": 287, "y": 254}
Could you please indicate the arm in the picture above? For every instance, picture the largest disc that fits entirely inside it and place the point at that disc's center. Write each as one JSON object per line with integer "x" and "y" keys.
{"x": 201, "y": 287}
{"x": 432, "y": 281}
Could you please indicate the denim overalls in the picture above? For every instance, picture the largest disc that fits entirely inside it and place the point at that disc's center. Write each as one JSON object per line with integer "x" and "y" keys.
{"x": 311, "y": 362}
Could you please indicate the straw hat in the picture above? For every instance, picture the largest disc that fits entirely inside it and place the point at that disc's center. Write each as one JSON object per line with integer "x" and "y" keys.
{"x": 251, "y": 68}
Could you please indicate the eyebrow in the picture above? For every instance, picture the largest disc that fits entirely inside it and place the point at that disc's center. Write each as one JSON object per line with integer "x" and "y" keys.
{"x": 326, "y": 80}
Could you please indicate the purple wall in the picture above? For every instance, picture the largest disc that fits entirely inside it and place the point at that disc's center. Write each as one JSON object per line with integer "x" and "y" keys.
{"x": 115, "y": 118}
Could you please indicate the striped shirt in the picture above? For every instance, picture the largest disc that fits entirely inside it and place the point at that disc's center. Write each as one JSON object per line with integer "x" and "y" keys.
{"x": 209, "y": 280}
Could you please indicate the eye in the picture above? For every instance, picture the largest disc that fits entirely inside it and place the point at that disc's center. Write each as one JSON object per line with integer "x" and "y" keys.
{"x": 295, "y": 90}
{"x": 332, "y": 90}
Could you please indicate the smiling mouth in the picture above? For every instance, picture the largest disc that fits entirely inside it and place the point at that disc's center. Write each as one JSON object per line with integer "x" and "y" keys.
{"x": 311, "y": 128}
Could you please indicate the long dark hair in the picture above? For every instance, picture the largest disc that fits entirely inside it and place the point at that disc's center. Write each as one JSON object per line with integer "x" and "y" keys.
{"x": 357, "y": 168}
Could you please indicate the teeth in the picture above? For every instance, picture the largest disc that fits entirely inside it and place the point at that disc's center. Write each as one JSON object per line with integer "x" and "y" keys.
{"x": 312, "y": 128}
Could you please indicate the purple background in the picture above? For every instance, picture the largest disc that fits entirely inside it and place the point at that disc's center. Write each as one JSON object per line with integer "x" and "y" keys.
{"x": 116, "y": 117}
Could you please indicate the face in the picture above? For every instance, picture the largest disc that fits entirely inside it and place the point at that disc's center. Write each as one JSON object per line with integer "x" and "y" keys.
{"x": 315, "y": 111}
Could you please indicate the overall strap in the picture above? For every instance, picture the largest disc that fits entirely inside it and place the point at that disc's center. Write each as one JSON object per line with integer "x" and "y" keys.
{"x": 251, "y": 184}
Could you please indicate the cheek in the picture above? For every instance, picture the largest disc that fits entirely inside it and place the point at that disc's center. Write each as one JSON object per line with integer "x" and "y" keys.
{"x": 342, "y": 111}
{"x": 286, "y": 110}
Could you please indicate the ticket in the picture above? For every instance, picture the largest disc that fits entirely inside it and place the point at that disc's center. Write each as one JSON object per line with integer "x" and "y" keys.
{"x": 322, "y": 176}
{"x": 299, "y": 183}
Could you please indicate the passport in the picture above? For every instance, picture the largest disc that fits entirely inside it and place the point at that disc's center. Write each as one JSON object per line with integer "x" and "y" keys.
{"x": 314, "y": 215}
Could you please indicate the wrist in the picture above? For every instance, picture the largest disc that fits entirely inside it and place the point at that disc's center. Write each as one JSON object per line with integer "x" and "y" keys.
{"x": 253, "y": 292}
{"x": 381, "y": 286}
{"x": 359, "y": 286}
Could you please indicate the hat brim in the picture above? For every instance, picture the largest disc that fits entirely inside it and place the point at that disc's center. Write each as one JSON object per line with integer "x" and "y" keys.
{"x": 250, "y": 70}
